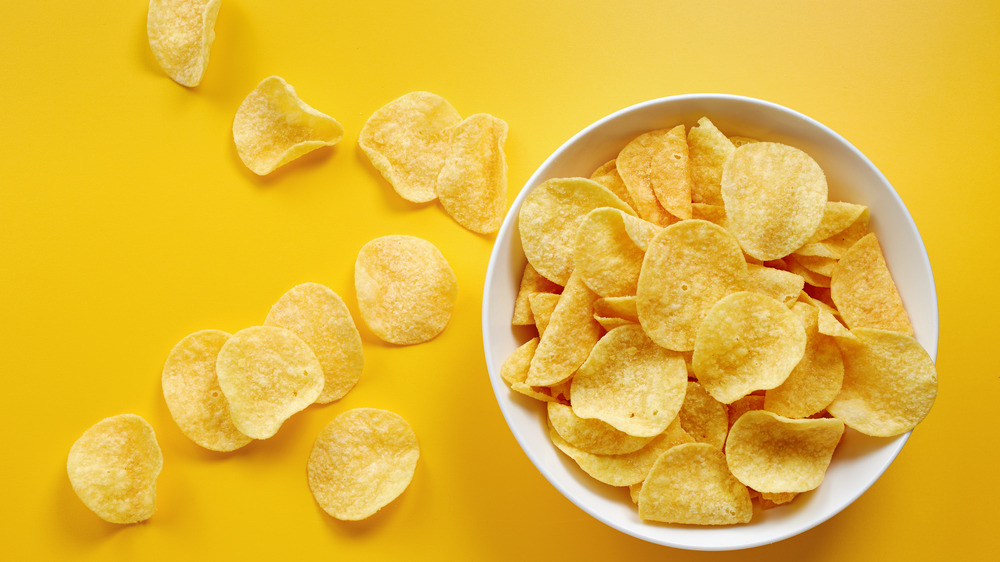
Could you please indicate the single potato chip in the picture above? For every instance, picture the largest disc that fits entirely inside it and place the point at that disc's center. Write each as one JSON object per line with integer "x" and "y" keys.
{"x": 658, "y": 162}
{"x": 782, "y": 286}
{"x": 864, "y": 292}
{"x": 617, "y": 307}
{"x": 606, "y": 252}
{"x": 180, "y": 34}
{"x": 113, "y": 468}
{"x": 531, "y": 282}
{"x": 569, "y": 336}
{"x": 704, "y": 418}
{"x": 709, "y": 149}
{"x": 608, "y": 176}
{"x": 592, "y": 435}
{"x": 472, "y": 183}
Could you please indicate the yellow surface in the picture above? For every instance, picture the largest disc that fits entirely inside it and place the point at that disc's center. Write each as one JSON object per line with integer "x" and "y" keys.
{"x": 127, "y": 221}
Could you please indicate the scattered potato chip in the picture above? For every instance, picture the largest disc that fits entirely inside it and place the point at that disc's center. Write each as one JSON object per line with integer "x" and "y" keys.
{"x": 782, "y": 286}
{"x": 606, "y": 254}
{"x": 864, "y": 291}
{"x": 828, "y": 325}
{"x": 273, "y": 126}
{"x": 531, "y": 282}
{"x": 709, "y": 149}
{"x": 406, "y": 289}
{"x": 542, "y": 307}
{"x": 361, "y": 461}
{"x": 658, "y": 162}
{"x": 608, "y": 176}
{"x": 193, "y": 396}
{"x": 704, "y": 418}
{"x": 472, "y": 183}
{"x": 592, "y": 435}
{"x": 569, "y": 336}
{"x": 113, "y": 468}
{"x": 180, "y": 34}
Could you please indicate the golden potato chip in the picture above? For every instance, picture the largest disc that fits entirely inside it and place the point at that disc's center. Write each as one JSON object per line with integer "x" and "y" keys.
{"x": 608, "y": 176}
{"x": 113, "y": 468}
{"x": 811, "y": 277}
{"x": 542, "y": 307}
{"x": 406, "y": 289}
{"x": 407, "y": 140}
{"x": 842, "y": 241}
{"x": 549, "y": 217}
{"x": 708, "y": 149}
{"x": 827, "y": 324}
{"x": 864, "y": 291}
{"x": 319, "y": 316}
{"x": 817, "y": 264}
{"x": 772, "y": 500}
{"x": 890, "y": 383}
{"x": 193, "y": 396}
{"x": 361, "y": 461}
{"x": 630, "y": 383}
{"x": 515, "y": 370}
{"x": 739, "y": 141}
{"x": 180, "y": 34}
{"x": 775, "y": 454}
{"x": 658, "y": 162}
{"x": 711, "y": 213}
{"x": 617, "y": 307}
{"x": 606, "y": 253}
{"x": 688, "y": 267}
{"x": 691, "y": 484}
{"x": 273, "y": 126}
{"x": 569, "y": 336}
{"x": 744, "y": 405}
{"x": 267, "y": 373}
{"x": 704, "y": 418}
{"x": 782, "y": 286}
{"x": 472, "y": 184}
{"x": 592, "y": 435}
{"x": 775, "y": 196}
{"x": 838, "y": 216}
{"x": 747, "y": 342}
{"x": 531, "y": 282}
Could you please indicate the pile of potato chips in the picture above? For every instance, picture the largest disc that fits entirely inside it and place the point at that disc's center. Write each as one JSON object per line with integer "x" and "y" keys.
{"x": 709, "y": 324}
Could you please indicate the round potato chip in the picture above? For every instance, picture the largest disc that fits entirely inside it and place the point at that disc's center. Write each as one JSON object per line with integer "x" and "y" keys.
{"x": 180, "y": 34}
{"x": 864, "y": 291}
{"x": 593, "y": 435}
{"x": 267, "y": 373}
{"x": 704, "y": 418}
{"x": 193, "y": 396}
{"x": 472, "y": 184}
{"x": 406, "y": 289}
{"x": 606, "y": 255}
{"x": 361, "y": 461}
{"x": 658, "y": 162}
{"x": 113, "y": 468}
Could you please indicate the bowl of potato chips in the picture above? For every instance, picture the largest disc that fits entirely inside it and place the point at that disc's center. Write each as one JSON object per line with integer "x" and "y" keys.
{"x": 710, "y": 322}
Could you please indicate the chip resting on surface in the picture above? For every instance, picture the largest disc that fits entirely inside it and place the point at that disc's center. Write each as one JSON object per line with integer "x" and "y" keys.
{"x": 113, "y": 468}
{"x": 864, "y": 290}
{"x": 180, "y": 34}
{"x": 472, "y": 183}
{"x": 193, "y": 396}
{"x": 361, "y": 461}
{"x": 658, "y": 162}
{"x": 273, "y": 126}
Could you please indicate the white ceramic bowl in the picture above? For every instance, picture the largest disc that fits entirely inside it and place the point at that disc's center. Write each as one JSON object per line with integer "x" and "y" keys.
{"x": 859, "y": 460}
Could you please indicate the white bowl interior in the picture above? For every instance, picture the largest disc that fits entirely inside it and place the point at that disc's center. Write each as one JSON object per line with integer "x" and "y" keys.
{"x": 859, "y": 460}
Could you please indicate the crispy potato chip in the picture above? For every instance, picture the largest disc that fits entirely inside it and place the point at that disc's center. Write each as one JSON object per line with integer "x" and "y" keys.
{"x": 531, "y": 282}
{"x": 890, "y": 383}
{"x": 838, "y": 216}
{"x": 267, "y": 373}
{"x": 744, "y": 405}
{"x": 822, "y": 265}
{"x": 273, "y": 126}
{"x": 608, "y": 176}
{"x": 864, "y": 291}
{"x": 569, "y": 336}
{"x": 472, "y": 183}
{"x": 708, "y": 149}
{"x": 617, "y": 307}
{"x": 542, "y": 307}
{"x": 691, "y": 484}
{"x": 842, "y": 241}
{"x": 606, "y": 253}
{"x": 319, "y": 316}
{"x": 811, "y": 277}
{"x": 630, "y": 383}
{"x": 113, "y": 468}
{"x": 193, "y": 396}
{"x": 775, "y": 454}
{"x": 775, "y": 196}
{"x": 515, "y": 370}
{"x": 180, "y": 34}
{"x": 361, "y": 461}
{"x": 739, "y": 141}
{"x": 658, "y": 161}
{"x": 688, "y": 267}
{"x": 827, "y": 324}
{"x": 772, "y": 500}
{"x": 407, "y": 140}
{"x": 704, "y": 418}
{"x": 406, "y": 289}
{"x": 592, "y": 435}
{"x": 782, "y": 286}
{"x": 711, "y": 213}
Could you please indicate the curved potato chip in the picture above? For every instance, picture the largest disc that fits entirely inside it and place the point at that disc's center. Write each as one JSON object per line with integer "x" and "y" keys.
{"x": 863, "y": 289}
{"x": 531, "y": 282}
{"x": 708, "y": 149}
{"x": 704, "y": 418}
{"x": 744, "y": 405}
{"x": 782, "y": 286}
{"x": 608, "y": 176}
{"x": 406, "y": 289}
{"x": 606, "y": 254}
{"x": 617, "y": 307}
{"x": 739, "y": 141}
{"x": 319, "y": 316}
{"x": 267, "y": 373}
{"x": 472, "y": 183}
{"x": 838, "y": 216}
{"x": 811, "y": 277}
{"x": 658, "y": 162}
{"x": 361, "y": 461}
{"x": 193, "y": 396}
{"x": 569, "y": 336}
{"x": 592, "y": 435}
{"x": 515, "y": 370}
{"x": 542, "y": 307}
{"x": 180, "y": 34}
{"x": 113, "y": 468}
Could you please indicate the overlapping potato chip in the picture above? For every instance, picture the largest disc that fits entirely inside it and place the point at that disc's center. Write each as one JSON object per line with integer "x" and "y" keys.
{"x": 361, "y": 461}
{"x": 515, "y": 371}
{"x": 319, "y": 316}
{"x": 744, "y": 405}
{"x": 273, "y": 126}
{"x": 838, "y": 216}
{"x": 569, "y": 336}
{"x": 704, "y": 418}
{"x": 542, "y": 306}
{"x": 864, "y": 290}
{"x": 592, "y": 435}
{"x": 180, "y": 34}
{"x": 782, "y": 286}
{"x": 113, "y": 468}
{"x": 531, "y": 282}
{"x": 267, "y": 374}
{"x": 708, "y": 149}
{"x": 608, "y": 176}
{"x": 406, "y": 289}
{"x": 472, "y": 183}
{"x": 610, "y": 246}
{"x": 193, "y": 396}
{"x": 658, "y": 162}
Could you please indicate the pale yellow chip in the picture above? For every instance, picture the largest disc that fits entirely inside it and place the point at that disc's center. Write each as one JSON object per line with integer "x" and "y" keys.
{"x": 406, "y": 289}
{"x": 569, "y": 336}
{"x": 531, "y": 282}
{"x": 193, "y": 396}
{"x": 542, "y": 307}
{"x": 514, "y": 371}
{"x": 770, "y": 500}
{"x": 407, "y": 140}
{"x": 472, "y": 183}
{"x": 113, "y": 468}
{"x": 704, "y": 418}
{"x": 180, "y": 34}
{"x": 823, "y": 265}
{"x": 890, "y": 383}
{"x": 658, "y": 162}
{"x": 319, "y": 316}
{"x": 811, "y": 277}
{"x": 864, "y": 290}
{"x": 592, "y": 435}
{"x": 744, "y": 405}
{"x": 361, "y": 461}
{"x": 273, "y": 126}
{"x": 617, "y": 307}
{"x": 267, "y": 374}
{"x": 775, "y": 454}
{"x": 608, "y": 176}
{"x": 709, "y": 149}
{"x": 842, "y": 241}
{"x": 739, "y": 141}
{"x": 610, "y": 246}
{"x": 838, "y": 216}
{"x": 782, "y": 286}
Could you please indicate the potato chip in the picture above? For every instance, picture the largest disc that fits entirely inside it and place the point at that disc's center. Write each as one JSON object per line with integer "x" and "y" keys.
{"x": 515, "y": 370}
{"x": 747, "y": 342}
{"x": 691, "y": 484}
{"x": 273, "y": 126}
{"x": 864, "y": 291}
{"x": 542, "y": 307}
{"x": 606, "y": 253}
{"x": 890, "y": 383}
{"x": 472, "y": 183}
{"x": 838, "y": 216}
{"x": 775, "y": 196}
{"x": 630, "y": 383}
{"x": 592, "y": 435}
{"x": 608, "y": 176}
{"x": 816, "y": 380}
{"x": 744, "y": 405}
{"x": 180, "y": 34}
{"x": 406, "y": 289}
{"x": 617, "y": 307}
{"x": 775, "y": 454}
{"x": 828, "y": 325}
{"x": 811, "y": 277}
{"x": 407, "y": 140}
{"x": 113, "y": 468}
{"x": 319, "y": 316}
{"x": 688, "y": 267}
{"x": 531, "y": 282}
{"x": 822, "y": 265}
{"x": 193, "y": 396}
{"x": 708, "y": 149}
{"x": 569, "y": 336}
{"x": 771, "y": 500}
{"x": 782, "y": 286}
{"x": 739, "y": 141}
{"x": 267, "y": 373}
{"x": 361, "y": 461}
{"x": 842, "y": 241}
{"x": 704, "y": 418}
{"x": 658, "y": 162}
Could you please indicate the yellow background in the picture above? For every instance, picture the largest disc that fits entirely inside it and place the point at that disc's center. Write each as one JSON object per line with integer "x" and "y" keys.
{"x": 127, "y": 221}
